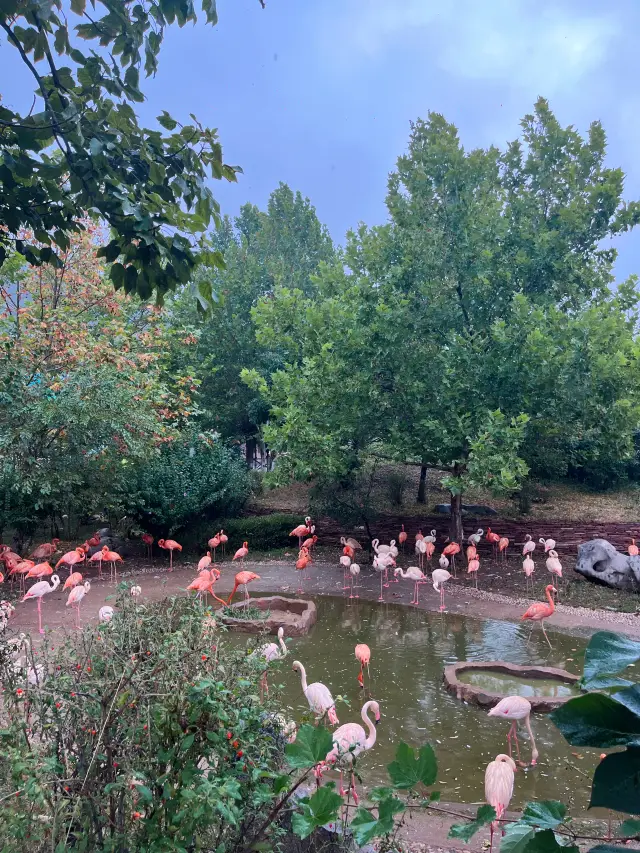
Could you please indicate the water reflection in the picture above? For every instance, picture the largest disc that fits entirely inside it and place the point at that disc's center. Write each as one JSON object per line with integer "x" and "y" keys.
{"x": 409, "y": 650}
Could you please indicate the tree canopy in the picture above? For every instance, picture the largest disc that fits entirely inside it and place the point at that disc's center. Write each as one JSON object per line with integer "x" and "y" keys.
{"x": 81, "y": 148}
{"x": 476, "y": 332}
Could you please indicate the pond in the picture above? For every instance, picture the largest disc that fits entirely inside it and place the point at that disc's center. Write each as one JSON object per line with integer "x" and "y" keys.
{"x": 409, "y": 649}
{"x": 514, "y": 685}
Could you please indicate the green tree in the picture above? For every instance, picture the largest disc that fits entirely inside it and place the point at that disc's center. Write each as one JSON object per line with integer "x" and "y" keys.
{"x": 82, "y": 148}
{"x": 282, "y": 246}
{"x": 476, "y": 332}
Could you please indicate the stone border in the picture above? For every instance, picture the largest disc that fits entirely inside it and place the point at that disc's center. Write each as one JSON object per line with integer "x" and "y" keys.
{"x": 487, "y": 699}
{"x": 296, "y": 615}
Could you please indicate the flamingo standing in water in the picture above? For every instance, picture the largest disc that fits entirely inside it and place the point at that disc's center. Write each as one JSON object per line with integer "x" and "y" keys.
{"x": 354, "y": 571}
{"x": 472, "y": 568}
{"x": 539, "y": 611}
{"x": 242, "y": 579}
{"x": 528, "y": 566}
{"x": 148, "y": 541}
{"x": 549, "y": 544}
{"x": 517, "y": 709}
{"x": 72, "y": 558}
{"x": 529, "y": 545}
{"x": 75, "y": 597}
{"x": 241, "y": 553}
{"x": 439, "y": 578}
{"x": 363, "y": 656}
{"x": 318, "y": 696}
{"x": 414, "y": 574}
{"x": 498, "y": 788}
{"x": 402, "y": 538}
{"x": 271, "y": 652}
{"x": 345, "y": 562}
{"x": 554, "y": 565}
{"x": 633, "y": 550}
{"x": 40, "y": 589}
{"x": 170, "y": 545}
{"x": 348, "y": 742}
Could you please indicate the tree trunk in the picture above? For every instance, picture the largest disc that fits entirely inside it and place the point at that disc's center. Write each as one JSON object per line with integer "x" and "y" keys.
{"x": 422, "y": 486}
{"x": 250, "y": 451}
{"x": 456, "y": 533}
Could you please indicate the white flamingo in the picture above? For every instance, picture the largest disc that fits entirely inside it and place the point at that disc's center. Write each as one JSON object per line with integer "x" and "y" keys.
{"x": 529, "y": 545}
{"x": 414, "y": 574}
{"x": 439, "y": 578}
{"x": 349, "y": 741}
{"x": 381, "y": 563}
{"x": 345, "y": 562}
{"x": 318, "y": 696}
{"x": 39, "y": 590}
{"x": 354, "y": 570}
{"x": 475, "y": 538}
{"x": 421, "y": 550}
{"x": 105, "y": 614}
{"x": 528, "y": 566}
{"x": 554, "y": 565}
{"x": 549, "y": 544}
{"x": 271, "y": 652}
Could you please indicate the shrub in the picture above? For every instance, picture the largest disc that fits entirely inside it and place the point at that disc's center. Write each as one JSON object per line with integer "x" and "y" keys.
{"x": 263, "y": 532}
{"x": 396, "y": 483}
{"x": 144, "y": 733}
{"x": 193, "y": 477}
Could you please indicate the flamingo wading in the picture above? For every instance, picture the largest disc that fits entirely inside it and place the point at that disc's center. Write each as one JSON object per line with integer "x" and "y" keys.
{"x": 349, "y": 741}
{"x": 517, "y": 709}
{"x": 318, "y": 696}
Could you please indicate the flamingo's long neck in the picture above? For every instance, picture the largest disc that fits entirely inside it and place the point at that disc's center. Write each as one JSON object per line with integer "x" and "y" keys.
{"x": 534, "y": 751}
{"x": 283, "y": 646}
{"x": 370, "y": 741}
{"x": 552, "y": 606}
{"x": 303, "y": 678}
{"x": 233, "y": 592}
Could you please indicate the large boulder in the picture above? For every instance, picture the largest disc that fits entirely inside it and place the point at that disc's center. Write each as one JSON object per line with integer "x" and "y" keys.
{"x": 599, "y": 561}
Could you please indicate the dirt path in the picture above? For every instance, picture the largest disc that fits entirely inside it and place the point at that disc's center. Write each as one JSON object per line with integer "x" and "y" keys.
{"x": 322, "y": 579}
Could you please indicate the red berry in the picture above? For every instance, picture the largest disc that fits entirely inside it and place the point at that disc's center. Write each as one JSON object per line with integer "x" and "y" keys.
{"x": 239, "y": 753}
{"x": 229, "y": 735}
{"x": 58, "y": 704}
{"x": 204, "y": 657}
{"x": 235, "y": 744}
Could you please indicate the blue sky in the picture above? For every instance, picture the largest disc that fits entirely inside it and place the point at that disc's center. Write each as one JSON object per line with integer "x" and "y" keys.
{"x": 320, "y": 93}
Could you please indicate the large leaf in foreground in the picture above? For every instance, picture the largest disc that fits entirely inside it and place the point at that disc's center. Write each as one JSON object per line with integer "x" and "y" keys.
{"x": 616, "y": 782}
{"x": 597, "y": 720}
{"x": 407, "y": 770}
{"x": 311, "y": 746}
{"x": 607, "y": 654}
{"x": 466, "y": 831}
{"x": 323, "y": 807}
{"x": 546, "y": 814}
{"x": 366, "y": 826}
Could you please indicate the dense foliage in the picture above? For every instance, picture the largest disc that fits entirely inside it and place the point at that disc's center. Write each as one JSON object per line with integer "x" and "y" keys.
{"x": 476, "y": 333}
{"x": 83, "y": 148}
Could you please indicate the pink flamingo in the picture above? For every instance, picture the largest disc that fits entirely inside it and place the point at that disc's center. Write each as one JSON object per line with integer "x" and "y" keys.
{"x": 414, "y": 574}
{"x": 554, "y": 565}
{"x": 363, "y": 656}
{"x": 170, "y": 545}
{"x": 310, "y": 542}
{"x": 351, "y": 542}
{"x": 494, "y": 538}
{"x": 214, "y": 543}
{"x": 148, "y": 541}
{"x": 517, "y": 709}
{"x": 203, "y": 584}
{"x": 98, "y": 557}
{"x": 472, "y": 568}
{"x": 349, "y": 741}
{"x": 402, "y": 538}
{"x": 73, "y": 580}
{"x": 632, "y": 549}
{"x": 223, "y": 540}
{"x": 241, "y": 553}
{"x": 345, "y": 562}
{"x": 472, "y": 553}
{"x": 204, "y": 562}
{"x": 539, "y": 611}
{"x": 75, "y": 597}
{"x": 439, "y": 578}
{"x": 430, "y": 551}
{"x": 72, "y": 558}
{"x": 528, "y": 567}
{"x": 354, "y": 571}
{"x": 318, "y": 696}
{"x": 242, "y": 579}
{"x": 22, "y": 569}
{"x": 450, "y": 551}
{"x": 529, "y": 545}
{"x": 301, "y": 564}
{"x": 40, "y": 571}
{"x": 503, "y": 544}
{"x": 38, "y": 590}
{"x": 48, "y": 549}
{"x": 549, "y": 544}
{"x": 498, "y": 788}
{"x": 302, "y": 530}
{"x": 271, "y": 652}
{"x": 113, "y": 557}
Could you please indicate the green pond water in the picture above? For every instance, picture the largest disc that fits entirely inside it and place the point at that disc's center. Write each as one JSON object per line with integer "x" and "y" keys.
{"x": 513, "y": 685}
{"x": 409, "y": 649}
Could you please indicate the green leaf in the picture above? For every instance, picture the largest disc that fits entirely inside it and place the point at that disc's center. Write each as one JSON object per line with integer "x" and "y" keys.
{"x": 366, "y": 826}
{"x": 607, "y": 654}
{"x": 545, "y": 841}
{"x": 597, "y": 720}
{"x": 616, "y": 782}
{"x": 629, "y": 828}
{"x": 407, "y": 770}
{"x": 516, "y": 837}
{"x": 166, "y": 121}
{"x": 312, "y": 744}
{"x": 466, "y": 831}
{"x": 187, "y": 742}
{"x": 145, "y": 793}
{"x": 318, "y": 810}
{"x": 546, "y": 814}
{"x": 78, "y": 6}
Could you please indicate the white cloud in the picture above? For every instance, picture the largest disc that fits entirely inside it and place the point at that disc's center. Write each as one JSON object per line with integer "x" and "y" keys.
{"x": 539, "y": 50}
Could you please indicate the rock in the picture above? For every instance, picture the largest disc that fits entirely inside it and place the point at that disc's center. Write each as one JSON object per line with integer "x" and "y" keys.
{"x": 106, "y": 531}
{"x": 599, "y": 561}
